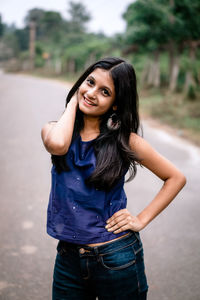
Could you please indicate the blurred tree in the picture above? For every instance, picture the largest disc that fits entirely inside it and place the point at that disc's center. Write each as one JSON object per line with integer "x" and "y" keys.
{"x": 51, "y": 26}
{"x": 11, "y": 46}
{"x": 60, "y": 44}
{"x": 9, "y": 43}
{"x": 79, "y": 17}
{"x": 187, "y": 29}
{"x": 92, "y": 48}
{"x": 1, "y": 27}
{"x": 22, "y": 36}
{"x": 184, "y": 32}
{"x": 32, "y": 34}
{"x": 159, "y": 25}
{"x": 147, "y": 30}
{"x": 34, "y": 15}
{"x": 32, "y": 21}
{"x": 75, "y": 49}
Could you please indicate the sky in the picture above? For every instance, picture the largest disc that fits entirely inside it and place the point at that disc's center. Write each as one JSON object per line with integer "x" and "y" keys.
{"x": 106, "y": 14}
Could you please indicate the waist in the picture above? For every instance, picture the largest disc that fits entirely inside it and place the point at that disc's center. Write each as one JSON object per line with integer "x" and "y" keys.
{"x": 99, "y": 244}
{"x": 124, "y": 241}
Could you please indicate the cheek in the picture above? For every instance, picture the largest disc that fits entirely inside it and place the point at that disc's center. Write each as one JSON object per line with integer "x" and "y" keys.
{"x": 81, "y": 91}
{"x": 83, "y": 86}
{"x": 108, "y": 104}
{"x": 78, "y": 95}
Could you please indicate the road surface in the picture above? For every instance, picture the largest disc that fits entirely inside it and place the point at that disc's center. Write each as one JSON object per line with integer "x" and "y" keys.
{"x": 27, "y": 253}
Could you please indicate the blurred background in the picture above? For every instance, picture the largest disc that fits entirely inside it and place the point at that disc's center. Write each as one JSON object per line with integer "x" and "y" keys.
{"x": 161, "y": 38}
{"x": 44, "y": 47}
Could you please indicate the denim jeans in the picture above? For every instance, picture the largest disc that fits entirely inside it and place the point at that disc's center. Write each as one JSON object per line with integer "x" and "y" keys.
{"x": 113, "y": 271}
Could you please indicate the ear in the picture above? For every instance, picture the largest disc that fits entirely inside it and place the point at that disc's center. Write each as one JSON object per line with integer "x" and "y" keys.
{"x": 114, "y": 107}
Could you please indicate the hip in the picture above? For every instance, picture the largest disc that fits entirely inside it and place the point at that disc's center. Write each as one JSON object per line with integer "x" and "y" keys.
{"x": 121, "y": 260}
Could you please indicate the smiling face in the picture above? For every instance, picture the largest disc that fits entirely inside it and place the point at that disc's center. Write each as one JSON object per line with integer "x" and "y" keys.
{"x": 96, "y": 95}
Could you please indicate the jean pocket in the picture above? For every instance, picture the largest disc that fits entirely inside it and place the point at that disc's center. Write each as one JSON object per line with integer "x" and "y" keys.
{"x": 61, "y": 250}
{"x": 118, "y": 259}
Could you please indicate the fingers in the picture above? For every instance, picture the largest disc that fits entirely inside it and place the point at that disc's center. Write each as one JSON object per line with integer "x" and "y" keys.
{"x": 120, "y": 221}
{"x": 116, "y": 226}
{"x": 118, "y": 214}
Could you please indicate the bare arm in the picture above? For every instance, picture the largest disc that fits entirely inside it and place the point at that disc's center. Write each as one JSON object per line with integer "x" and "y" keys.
{"x": 57, "y": 136}
{"x": 173, "y": 179}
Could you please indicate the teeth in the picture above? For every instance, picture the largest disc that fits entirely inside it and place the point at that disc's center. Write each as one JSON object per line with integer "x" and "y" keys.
{"x": 88, "y": 102}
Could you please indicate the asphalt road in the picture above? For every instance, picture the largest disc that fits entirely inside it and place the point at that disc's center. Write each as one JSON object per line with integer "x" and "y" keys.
{"x": 171, "y": 242}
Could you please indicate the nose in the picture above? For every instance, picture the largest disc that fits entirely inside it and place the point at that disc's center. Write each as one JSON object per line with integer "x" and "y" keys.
{"x": 91, "y": 93}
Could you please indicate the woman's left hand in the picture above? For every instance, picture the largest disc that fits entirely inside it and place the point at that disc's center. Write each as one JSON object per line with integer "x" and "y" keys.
{"x": 122, "y": 221}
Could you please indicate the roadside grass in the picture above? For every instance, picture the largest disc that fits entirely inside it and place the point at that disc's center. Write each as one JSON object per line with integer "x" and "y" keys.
{"x": 181, "y": 114}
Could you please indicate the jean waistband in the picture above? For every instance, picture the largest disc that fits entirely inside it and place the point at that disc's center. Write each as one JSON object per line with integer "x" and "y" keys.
{"x": 123, "y": 242}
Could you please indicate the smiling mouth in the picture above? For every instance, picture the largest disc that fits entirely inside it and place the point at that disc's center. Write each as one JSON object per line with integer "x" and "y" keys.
{"x": 89, "y": 102}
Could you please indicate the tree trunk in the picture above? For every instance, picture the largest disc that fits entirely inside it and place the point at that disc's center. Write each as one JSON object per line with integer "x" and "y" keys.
{"x": 173, "y": 57}
{"x": 71, "y": 66}
{"x": 150, "y": 74}
{"x": 153, "y": 78}
{"x": 174, "y": 71}
{"x": 189, "y": 79}
{"x": 58, "y": 66}
{"x": 145, "y": 73}
{"x": 91, "y": 59}
{"x": 32, "y": 28}
{"x": 156, "y": 80}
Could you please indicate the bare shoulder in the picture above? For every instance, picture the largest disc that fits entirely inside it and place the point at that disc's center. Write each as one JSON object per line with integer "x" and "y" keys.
{"x": 139, "y": 145}
{"x": 134, "y": 138}
{"x": 143, "y": 150}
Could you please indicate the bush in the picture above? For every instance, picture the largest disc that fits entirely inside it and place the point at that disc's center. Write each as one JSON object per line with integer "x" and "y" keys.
{"x": 191, "y": 94}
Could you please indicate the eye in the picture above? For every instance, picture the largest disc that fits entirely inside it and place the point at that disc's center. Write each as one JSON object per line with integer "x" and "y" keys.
{"x": 90, "y": 81}
{"x": 105, "y": 92}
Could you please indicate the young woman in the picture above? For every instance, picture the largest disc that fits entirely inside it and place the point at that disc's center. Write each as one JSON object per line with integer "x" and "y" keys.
{"x": 93, "y": 145}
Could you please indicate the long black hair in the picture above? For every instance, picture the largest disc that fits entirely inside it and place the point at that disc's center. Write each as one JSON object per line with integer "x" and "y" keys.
{"x": 113, "y": 154}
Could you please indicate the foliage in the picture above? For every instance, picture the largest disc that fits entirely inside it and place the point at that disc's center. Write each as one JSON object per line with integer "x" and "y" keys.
{"x": 78, "y": 17}
{"x": 161, "y": 36}
{"x": 22, "y": 36}
{"x": 187, "y": 21}
{"x": 1, "y": 27}
{"x": 147, "y": 23}
{"x": 155, "y": 29}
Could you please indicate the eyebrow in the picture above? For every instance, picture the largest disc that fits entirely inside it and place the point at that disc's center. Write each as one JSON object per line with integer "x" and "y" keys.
{"x": 105, "y": 87}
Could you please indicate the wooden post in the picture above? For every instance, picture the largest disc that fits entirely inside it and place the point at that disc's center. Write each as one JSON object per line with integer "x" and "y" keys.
{"x": 32, "y": 29}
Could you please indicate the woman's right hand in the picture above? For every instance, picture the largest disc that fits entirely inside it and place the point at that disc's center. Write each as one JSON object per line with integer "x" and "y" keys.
{"x": 59, "y": 136}
{"x": 74, "y": 101}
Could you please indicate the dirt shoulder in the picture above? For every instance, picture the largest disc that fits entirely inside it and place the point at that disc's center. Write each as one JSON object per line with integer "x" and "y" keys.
{"x": 181, "y": 133}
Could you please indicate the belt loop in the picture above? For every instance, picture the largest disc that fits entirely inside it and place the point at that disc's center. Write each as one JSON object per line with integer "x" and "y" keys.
{"x": 137, "y": 235}
{"x": 96, "y": 253}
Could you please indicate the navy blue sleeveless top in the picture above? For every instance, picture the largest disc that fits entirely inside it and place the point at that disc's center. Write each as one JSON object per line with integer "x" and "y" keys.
{"x": 77, "y": 213}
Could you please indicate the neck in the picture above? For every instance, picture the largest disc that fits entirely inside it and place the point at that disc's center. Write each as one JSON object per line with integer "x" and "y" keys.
{"x": 91, "y": 124}
{"x": 91, "y": 127}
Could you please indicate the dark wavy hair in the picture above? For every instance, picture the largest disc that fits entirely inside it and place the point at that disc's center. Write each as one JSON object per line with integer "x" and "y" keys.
{"x": 113, "y": 154}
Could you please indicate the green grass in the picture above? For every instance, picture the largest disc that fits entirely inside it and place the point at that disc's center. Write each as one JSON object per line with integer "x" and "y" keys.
{"x": 173, "y": 110}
